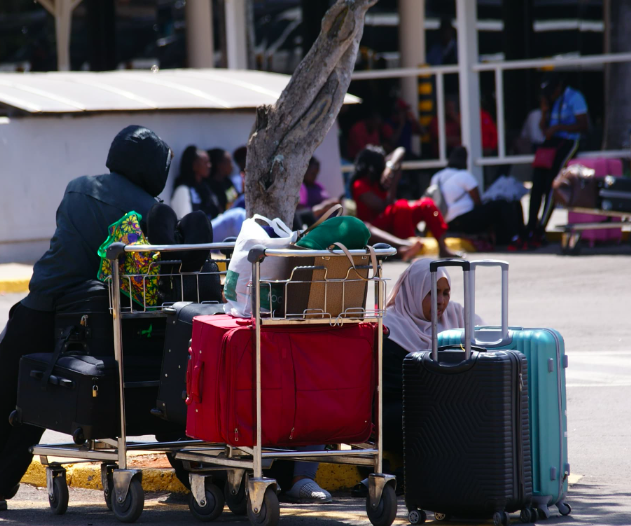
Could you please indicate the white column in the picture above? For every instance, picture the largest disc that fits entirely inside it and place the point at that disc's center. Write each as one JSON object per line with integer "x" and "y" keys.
{"x": 469, "y": 83}
{"x": 199, "y": 34}
{"x": 236, "y": 34}
{"x": 62, "y": 11}
{"x": 412, "y": 48}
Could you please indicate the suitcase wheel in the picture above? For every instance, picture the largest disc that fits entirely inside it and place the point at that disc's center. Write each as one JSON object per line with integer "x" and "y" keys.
{"x": 528, "y": 515}
{"x": 417, "y": 517}
{"x": 442, "y": 517}
{"x": 501, "y": 518}
{"x": 78, "y": 437}
{"x": 211, "y": 507}
{"x": 385, "y": 513}
{"x": 564, "y": 508}
{"x": 59, "y": 499}
{"x": 14, "y": 418}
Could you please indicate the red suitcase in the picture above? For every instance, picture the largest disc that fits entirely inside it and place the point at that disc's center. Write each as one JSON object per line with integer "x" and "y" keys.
{"x": 318, "y": 383}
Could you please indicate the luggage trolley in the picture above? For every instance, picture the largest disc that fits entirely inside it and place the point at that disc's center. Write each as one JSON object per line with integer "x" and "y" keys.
{"x": 247, "y": 490}
{"x": 121, "y": 485}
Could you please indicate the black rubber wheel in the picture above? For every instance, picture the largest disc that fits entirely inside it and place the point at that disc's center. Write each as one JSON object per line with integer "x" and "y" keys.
{"x": 59, "y": 501}
{"x": 212, "y": 506}
{"x": 386, "y": 511}
{"x": 238, "y": 504}
{"x": 417, "y": 517}
{"x": 78, "y": 437}
{"x": 108, "y": 496}
{"x": 131, "y": 508}
{"x": 525, "y": 515}
{"x": 270, "y": 510}
{"x": 498, "y": 518}
{"x": 506, "y": 519}
{"x": 564, "y": 508}
{"x": 533, "y": 515}
{"x": 14, "y": 419}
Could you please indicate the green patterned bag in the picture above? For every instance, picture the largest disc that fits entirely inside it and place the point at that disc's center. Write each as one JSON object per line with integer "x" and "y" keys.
{"x": 139, "y": 270}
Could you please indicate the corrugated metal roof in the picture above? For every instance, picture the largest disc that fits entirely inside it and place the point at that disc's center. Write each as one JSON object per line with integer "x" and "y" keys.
{"x": 171, "y": 89}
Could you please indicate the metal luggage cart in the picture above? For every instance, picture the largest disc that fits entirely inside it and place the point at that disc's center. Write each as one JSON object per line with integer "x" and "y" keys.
{"x": 247, "y": 490}
{"x": 572, "y": 232}
{"x": 122, "y": 485}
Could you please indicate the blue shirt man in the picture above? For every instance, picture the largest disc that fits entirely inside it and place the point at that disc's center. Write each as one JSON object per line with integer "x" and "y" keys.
{"x": 570, "y": 105}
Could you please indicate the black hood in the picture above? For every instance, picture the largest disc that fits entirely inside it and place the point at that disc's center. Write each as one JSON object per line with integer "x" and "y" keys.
{"x": 142, "y": 157}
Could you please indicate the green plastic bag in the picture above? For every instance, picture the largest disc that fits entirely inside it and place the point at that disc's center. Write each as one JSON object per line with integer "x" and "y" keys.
{"x": 347, "y": 230}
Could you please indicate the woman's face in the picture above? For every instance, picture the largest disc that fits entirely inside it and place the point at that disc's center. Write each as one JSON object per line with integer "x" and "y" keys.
{"x": 444, "y": 293}
{"x": 226, "y": 167}
{"x": 201, "y": 166}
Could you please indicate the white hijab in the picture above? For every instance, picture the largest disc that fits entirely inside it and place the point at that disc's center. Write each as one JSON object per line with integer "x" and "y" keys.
{"x": 404, "y": 309}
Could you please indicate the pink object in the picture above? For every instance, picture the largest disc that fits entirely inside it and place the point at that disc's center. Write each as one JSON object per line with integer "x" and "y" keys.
{"x": 603, "y": 167}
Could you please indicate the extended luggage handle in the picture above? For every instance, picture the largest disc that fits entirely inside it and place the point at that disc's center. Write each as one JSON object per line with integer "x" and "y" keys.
{"x": 504, "y": 336}
{"x": 466, "y": 271}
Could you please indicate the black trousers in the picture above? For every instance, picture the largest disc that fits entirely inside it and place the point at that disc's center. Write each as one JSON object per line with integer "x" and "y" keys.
{"x": 542, "y": 179}
{"x": 504, "y": 217}
{"x": 393, "y": 356}
{"x": 28, "y": 331}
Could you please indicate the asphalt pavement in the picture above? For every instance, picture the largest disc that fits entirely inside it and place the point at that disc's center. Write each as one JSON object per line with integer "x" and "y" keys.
{"x": 586, "y": 298}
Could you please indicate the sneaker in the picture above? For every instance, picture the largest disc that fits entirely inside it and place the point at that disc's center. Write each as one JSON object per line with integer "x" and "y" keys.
{"x": 307, "y": 491}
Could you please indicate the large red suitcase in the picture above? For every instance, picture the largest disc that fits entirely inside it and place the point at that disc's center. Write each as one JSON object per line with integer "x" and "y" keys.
{"x": 318, "y": 383}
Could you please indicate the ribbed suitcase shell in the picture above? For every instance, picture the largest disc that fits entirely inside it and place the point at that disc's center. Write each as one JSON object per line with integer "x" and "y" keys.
{"x": 466, "y": 434}
{"x": 179, "y": 331}
{"x": 545, "y": 351}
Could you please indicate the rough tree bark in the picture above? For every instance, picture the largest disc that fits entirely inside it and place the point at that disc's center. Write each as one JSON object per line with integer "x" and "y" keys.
{"x": 617, "y": 78}
{"x": 286, "y": 134}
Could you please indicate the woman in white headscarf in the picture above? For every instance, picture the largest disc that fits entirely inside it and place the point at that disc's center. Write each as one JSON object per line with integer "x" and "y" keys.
{"x": 408, "y": 318}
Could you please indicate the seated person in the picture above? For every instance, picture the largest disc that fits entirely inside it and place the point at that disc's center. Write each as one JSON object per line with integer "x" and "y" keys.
{"x": 219, "y": 180}
{"x": 139, "y": 163}
{"x": 374, "y": 187}
{"x": 408, "y": 318}
{"x": 191, "y": 193}
{"x": 465, "y": 210}
{"x": 314, "y": 199}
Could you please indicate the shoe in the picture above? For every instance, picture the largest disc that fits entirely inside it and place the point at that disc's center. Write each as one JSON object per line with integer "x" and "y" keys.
{"x": 307, "y": 491}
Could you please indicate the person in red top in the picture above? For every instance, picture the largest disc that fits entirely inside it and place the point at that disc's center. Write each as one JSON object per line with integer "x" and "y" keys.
{"x": 373, "y": 187}
{"x": 369, "y": 131}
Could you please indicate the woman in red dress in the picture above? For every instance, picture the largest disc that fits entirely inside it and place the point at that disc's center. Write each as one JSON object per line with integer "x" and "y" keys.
{"x": 373, "y": 187}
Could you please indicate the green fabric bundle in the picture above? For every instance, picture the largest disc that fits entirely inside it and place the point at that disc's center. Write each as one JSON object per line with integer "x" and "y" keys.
{"x": 349, "y": 231}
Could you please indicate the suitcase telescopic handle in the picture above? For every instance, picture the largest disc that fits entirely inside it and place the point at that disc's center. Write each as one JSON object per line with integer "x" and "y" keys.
{"x": 466, "y": 270}
{"x": 504, "y": 304}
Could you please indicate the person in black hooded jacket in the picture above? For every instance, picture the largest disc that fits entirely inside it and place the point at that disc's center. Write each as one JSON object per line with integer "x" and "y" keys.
{"x": 139, "y": 163}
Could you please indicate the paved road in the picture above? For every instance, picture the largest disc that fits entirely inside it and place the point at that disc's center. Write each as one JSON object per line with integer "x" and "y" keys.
{"x": 586, "y": 299}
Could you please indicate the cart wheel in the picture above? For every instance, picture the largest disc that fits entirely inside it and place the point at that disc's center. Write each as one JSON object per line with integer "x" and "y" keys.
{"x": 131, "y": 508}
{"x": 417, "y": 517}
{"x": 238, "y": 504}
{"x": 441, "y": 516}
{"x": 59, "y": 501}
{"x": 564, "y": 508}
{"x": 212, "y": 506}
{"x": 385, "y": 513}
{"x": 78, "y": 437}
{"x": 270, "y": 511}
{"x": 108, "y": 496}
{"x": 498, "y": 518}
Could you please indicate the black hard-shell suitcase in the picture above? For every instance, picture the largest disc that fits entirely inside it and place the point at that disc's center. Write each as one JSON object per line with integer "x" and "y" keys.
{"x": 466, "y": 428}
{"x": 172, "y": 395}
{"x": 615, "y": 194}
{"x": 81, "y": 395}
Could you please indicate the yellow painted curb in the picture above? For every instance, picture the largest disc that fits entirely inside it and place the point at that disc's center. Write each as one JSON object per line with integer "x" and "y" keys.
{"x": 88, "y": 476}
{"x": 14, "y": 286}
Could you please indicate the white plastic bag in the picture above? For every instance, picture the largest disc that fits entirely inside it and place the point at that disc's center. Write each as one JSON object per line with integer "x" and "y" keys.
{"x": 239, "y": 274}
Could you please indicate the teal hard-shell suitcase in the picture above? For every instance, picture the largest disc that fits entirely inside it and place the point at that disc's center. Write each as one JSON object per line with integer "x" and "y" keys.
{"x": 545, "y": 351}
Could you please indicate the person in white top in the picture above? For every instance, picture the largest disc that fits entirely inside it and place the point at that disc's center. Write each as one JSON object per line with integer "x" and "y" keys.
{"x": 465, "y": 210}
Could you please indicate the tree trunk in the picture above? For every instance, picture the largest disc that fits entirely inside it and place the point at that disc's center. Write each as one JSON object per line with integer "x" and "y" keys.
{"x": 617, "y": 78}
{"x": 286, "y": 134}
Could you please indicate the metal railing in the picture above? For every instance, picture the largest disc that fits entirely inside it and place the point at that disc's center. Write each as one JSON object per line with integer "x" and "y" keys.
{"x": 498, "y": 67}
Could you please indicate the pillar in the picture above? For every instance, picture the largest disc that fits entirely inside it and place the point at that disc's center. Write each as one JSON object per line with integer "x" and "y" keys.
{"x": 236, "y": 34}
{"x": 199, "y": 34}
{"x": 469, "y": 84}
{"x": 412, "y": 49}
